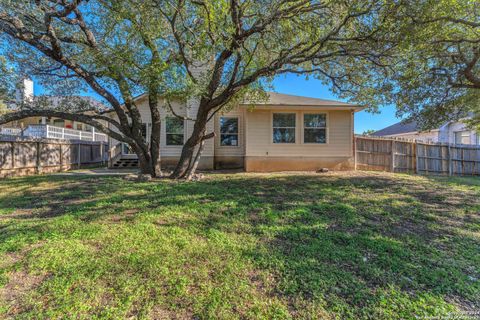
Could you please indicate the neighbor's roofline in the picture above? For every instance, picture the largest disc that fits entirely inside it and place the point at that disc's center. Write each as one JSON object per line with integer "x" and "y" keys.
{"x": 409, "y": 133}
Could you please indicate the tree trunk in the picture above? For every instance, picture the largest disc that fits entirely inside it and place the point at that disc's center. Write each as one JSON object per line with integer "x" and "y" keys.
{"x": 145, "y": 164}
{"x": 185, "y": 158}
{"x": 148, "y": 164}
{"x": 188, "y": 150}
{"x": 155, "y": 136}
{"x": 194, "y": 165}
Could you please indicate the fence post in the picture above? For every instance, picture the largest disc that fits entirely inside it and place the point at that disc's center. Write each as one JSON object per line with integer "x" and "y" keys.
{"x": 79, "y": 158}
{"x": 425, "y": 157}
{"x": 13, "y": 155}
{"x": 393, "y": 157}
{"x": 449, "y": 160}
{"x": 39, "y": 166}
{"x": 415, "y": 157}
{"x": 355, "y": 152}
{"x": 61, "y": 157}
{"x": 101, "y": 154}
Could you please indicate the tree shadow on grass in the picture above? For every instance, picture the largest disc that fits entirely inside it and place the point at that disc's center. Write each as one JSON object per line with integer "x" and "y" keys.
{"x": 358, "y": 245}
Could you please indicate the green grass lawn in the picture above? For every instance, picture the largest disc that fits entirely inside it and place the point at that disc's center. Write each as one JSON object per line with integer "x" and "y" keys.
{"x": 277, "y": 246}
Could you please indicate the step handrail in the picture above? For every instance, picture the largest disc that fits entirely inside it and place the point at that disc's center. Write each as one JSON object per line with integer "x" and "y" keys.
{"x": 115, "y": 153}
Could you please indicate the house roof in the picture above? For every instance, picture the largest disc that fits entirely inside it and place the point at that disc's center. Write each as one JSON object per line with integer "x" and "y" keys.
{"x": 398, "y": 128}
{"x": 281, "y": 99}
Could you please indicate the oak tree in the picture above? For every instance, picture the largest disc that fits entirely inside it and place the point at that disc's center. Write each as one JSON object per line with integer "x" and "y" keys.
{"x": 117, "y": 48}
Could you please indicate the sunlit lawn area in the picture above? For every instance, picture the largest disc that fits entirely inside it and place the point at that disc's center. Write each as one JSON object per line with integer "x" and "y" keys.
{"x": 276, "y": 246}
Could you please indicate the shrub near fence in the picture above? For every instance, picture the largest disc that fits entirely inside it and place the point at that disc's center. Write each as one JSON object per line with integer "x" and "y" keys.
{"x": 398, "y": 155}
{"x": 35, "y": 156}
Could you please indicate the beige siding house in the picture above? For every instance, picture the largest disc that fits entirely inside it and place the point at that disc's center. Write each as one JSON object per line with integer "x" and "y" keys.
{"x": 284, "y": 133}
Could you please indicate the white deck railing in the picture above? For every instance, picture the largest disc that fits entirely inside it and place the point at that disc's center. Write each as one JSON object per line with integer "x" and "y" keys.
{"x": 11, "y": 131}
{"x": 52, "y": 132}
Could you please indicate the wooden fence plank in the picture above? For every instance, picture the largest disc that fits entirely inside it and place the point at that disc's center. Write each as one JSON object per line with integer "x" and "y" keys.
{"x": 399, "y": 155}
{"x": 23, "y": 156}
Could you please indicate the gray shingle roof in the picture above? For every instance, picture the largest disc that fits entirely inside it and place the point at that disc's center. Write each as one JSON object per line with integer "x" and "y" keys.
{"x": 288, "y": 99}
{"x": 397, "y": 128}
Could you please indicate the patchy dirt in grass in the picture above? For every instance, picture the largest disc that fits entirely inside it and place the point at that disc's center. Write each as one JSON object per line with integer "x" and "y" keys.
{"x": 20, "y": 283}
{"x": 18, "y": 214}
{"x": 160, "y": 313}
{"x": 125, "y": 216}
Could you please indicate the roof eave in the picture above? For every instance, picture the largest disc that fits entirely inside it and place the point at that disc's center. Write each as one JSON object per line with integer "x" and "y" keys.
{"x": 352, "y": 107}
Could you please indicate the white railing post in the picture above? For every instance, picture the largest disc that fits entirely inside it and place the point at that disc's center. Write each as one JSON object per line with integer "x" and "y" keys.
{"x": 80, "y": 134}
{"x": 63, "y": 133}
{"x": 93, "y": 133}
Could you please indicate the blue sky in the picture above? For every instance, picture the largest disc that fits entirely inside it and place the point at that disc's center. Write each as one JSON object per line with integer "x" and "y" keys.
{"x": 299, "y": 85}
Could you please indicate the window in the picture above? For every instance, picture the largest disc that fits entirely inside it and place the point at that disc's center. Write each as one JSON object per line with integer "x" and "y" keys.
{"x": 228, "y": 131}
{"x": 462, "y": 137}
{"x": 174, "y": 131}
{"x": 284, "y": 128}
{"x": 315, "y": 128}
{"x": 59, "y": 123}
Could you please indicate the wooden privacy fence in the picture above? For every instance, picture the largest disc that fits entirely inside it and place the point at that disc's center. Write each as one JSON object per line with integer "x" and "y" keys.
{"x": 34, "y": 156}
{"x": 398, "y": 155}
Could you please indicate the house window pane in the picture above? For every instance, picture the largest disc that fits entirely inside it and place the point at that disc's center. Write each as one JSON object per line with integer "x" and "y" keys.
{"x": 174, "y": 131}
{"x": 284, "y": 127}
{"x": 314, "y": 128}
{"x": 284, "y": 120}
{"x": 315, "y": 136}
{"x": 228, "y": 131}
{"x": 315, "y": 120}
{"x": 462, "y": 137}
{"x": 59, "y": 123}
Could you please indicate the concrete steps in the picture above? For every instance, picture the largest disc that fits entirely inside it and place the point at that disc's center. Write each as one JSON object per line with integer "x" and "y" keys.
{"x": 125, "y": 163}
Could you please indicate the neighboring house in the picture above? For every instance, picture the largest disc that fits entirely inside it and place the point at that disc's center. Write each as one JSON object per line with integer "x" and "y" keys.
{"x": 284, "y": 133}
{"x": 455, "y": 132}
{"x": 46, "y": 127}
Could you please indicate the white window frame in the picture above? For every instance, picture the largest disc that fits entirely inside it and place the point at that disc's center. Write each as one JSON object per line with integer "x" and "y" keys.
{"x": 295, "y": 128}
{"x": 167, "y": 133}
{"x": 327, "y": 134}
{"x": 220, "y": 131}
{"x": 462, "y": 132}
